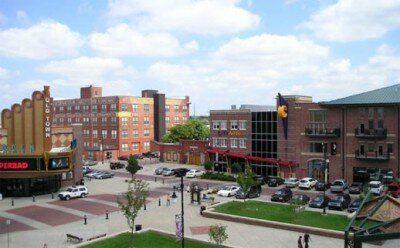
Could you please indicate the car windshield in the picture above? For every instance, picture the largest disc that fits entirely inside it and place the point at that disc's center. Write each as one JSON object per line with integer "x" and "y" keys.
{"x": 69, "y": 189}
{"x": 373, "y": 185}
{"x": 279, "y": 192}
{"x": 339, "y": 198}
{"x": 356, "y": 203}
{"x": 226, "y": 188}
{"x": 319, "y": 198}
{"x": 337, "y": 183}
{"x": 304, "y": 181}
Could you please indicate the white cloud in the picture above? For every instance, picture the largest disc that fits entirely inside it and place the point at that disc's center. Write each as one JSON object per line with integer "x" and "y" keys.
{"x": 352, "y": 20}
{"x": 205, "y": 17}
{"x": 3, "y": 18}
{"x": 4, "y": 73}
{"x": 122, "y": 40}
{"x": 85, "y": 68}
{"x": 44, "y": 40}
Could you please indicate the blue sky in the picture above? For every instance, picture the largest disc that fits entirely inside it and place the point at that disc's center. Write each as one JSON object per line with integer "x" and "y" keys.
{"x": 218, "y": 52}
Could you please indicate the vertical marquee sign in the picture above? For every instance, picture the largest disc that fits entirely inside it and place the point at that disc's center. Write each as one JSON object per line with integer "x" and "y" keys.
{"x": 47, "y": 117}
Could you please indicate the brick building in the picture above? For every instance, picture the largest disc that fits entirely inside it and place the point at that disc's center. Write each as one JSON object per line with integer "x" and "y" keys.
{"x": 120, "y": 125}
{"x": 184, "y": 152}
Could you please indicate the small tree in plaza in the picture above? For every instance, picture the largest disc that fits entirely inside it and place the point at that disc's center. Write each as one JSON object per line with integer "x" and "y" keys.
{"x": 133, "y": 165}
{"x": 208, "y": 165}
{"x": 217, "y": 233}
{"x": 133, "y": 200}
{"x": 245, "y": 181}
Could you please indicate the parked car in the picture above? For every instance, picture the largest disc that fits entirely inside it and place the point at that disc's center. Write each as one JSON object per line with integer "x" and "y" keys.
{"x": 92, "y": 174}
{"x": 321, "y": 186}
{"x": 338, "y": 186}
{"x": 340, "y": 201}
{"x": 388, "y": 179}
{"x": 180, "y": 171}
{"x": 73, "y": 192}
{"x": 394, "y": 189}
{"x": 354, "y": 206}
{"x": 319, "y": 202}
{"x": 376, "y": 187}
{"x": 259, "y": 179}
{"x": 86, "y": 169}
{"x": 124, "y": 158}
{"x": 228, "y": 190}
{"x": 194, "y": 173}
{"x": 356, "y": 188}
{"x": 103, "y": 175}
{"x": 292, "y": 182}
{"x": 138, "y": 156}
{"x": 254, "y": 191}
{"x": 89, "y": 162}
{"x": 301, "y": 197}
{"x": 168, "y": 172}
{"x": 307, "y": 183}
{"x": 274, "y": 181}
{"x": 282, "y": 195}
{"x": 117, "y": 165}
{"x": 160, "y": 170}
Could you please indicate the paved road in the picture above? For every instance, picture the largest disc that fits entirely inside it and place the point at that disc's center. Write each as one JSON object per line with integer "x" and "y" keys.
{"x": 49, "y": 220}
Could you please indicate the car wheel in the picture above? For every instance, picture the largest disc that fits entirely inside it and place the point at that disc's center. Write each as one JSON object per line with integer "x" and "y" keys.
{"x": 229, "y": 195}
{"x": 67, "y": 198}
{"x": 83, "y": 195}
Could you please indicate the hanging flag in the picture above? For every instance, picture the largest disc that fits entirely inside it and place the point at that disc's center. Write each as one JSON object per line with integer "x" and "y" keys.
{"x": 178, "y": 226}
{"x": 283, "y": 113}
{"x": 73, "y": 144}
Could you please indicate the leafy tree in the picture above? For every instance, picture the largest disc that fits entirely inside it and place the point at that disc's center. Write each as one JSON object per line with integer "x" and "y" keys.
{"x": 217, "y": 233}
{"x": 133, "y": 200}
{"x": 133, "y": 165}
{"x": 192, "y": 130}
{"x": 246, "y": 180}
{"x": 208, "y": 165}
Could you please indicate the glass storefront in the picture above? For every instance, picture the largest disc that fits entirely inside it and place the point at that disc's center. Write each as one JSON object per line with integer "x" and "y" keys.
{"x": 364, "y": 174}
{"x": 30, "y": 186}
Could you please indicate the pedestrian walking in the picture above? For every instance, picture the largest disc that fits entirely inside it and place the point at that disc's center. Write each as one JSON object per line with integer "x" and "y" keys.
{"x": 299, "y": 243}
{"x": 306, "y": 239}
{"x": 188, "y": 188}
{"x": 168, "y": 200}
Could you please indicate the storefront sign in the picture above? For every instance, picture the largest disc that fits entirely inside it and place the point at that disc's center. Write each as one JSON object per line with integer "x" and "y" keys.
{"x": 17, "y": 164}
{"x": 47, "y": 120}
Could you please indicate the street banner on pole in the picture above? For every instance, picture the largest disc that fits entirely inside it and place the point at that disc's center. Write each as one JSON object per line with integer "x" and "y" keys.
{"x": 178, "y": 225}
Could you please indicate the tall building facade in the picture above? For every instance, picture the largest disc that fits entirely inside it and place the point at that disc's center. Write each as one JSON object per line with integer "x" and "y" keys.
{"x": 355, "y": 138}
{"x": 120, "y": 125}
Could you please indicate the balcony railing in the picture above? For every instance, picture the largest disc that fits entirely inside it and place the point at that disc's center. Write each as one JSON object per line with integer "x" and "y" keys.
{"x": 322, "y": 132}
{"x": 372, "y": 156}
{"x": 379, "y": 133}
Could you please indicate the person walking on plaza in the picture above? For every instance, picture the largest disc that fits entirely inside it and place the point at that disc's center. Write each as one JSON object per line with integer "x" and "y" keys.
{"x": 168, "y": 200}
{"x": 306, "y": 240}
{"x": 299, "y": 243}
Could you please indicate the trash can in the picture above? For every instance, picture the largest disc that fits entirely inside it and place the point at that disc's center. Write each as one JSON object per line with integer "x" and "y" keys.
{"x": 138, "y": 227}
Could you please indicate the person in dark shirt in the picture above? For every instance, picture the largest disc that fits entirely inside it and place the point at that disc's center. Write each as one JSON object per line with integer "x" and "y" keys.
{"x": 299, "y": 243}
{"x": 306, "y": 240}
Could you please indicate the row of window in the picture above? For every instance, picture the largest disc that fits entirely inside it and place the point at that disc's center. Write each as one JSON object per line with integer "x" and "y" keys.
{"x": 234, "y": 124}
{"x": 233, "y": 142}
{"x": 114, "y": 133}
{"x": 363, "y": 148}
{"x": 113, "y": 107}
{"x": 135, "y": 146}
{"x": 113, "y": 120}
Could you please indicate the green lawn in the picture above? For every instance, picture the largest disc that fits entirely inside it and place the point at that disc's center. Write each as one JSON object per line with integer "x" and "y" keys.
{"x": 149, "y": 239}
{"x": 283, "y": 213}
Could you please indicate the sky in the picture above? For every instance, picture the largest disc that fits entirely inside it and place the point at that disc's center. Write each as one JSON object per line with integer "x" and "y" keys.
{"x": 217, "y": 52}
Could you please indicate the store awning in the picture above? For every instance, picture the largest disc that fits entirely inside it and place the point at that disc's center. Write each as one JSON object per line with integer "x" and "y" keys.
{"x": 272, "y": 161}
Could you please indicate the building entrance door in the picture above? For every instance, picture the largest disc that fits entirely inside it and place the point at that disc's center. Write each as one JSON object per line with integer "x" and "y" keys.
{"x": 315, "y": 169}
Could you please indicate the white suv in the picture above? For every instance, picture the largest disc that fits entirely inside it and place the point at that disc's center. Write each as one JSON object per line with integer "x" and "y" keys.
{"x": 73, "y": 192}
{"x": 307, "y": 183}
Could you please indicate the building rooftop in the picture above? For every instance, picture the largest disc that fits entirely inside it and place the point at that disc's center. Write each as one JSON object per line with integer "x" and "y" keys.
{"x": 384, "y": 96}
{"x": 258, "y": 108}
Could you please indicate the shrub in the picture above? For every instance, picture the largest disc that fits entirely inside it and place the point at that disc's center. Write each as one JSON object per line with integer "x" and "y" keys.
{"x": 218, "y": 176}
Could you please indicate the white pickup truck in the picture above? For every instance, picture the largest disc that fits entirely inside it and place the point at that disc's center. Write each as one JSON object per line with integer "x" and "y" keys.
{"x": 73, "y": 192}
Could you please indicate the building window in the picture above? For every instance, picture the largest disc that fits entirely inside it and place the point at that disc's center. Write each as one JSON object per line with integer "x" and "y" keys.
{"x": 85, "y": 120}
{"x": 135, "y": 146}
{"x": 103, "y": 121}
{"x": 371, "y": 147}
{"x": 113, "y": 121}
{"x": 77, "y": 120}
{"x": 223, "y": 142}
{"x": 216, "y": 125}
{"x": 124, "y": 107}
{"x": 124, "y": 121}
{"x": 94, "y": 108}
{"x": 114, "y": 134}
{"x": 380, "y": 123}
{"x": 124, "y": 147}
{"x": 233, "y": 143}
{"x": 176, "y": 119}
{"x": 146, "y": 120}
{"x": 135, "y": 120}
{"x": 69, "y": 108}
{"x": 113, "y": 107}
{"x": 317, "y": 147}
{"x": 184, "y": 108}
{"x": 77, "y": 108}
{"x": 184, "y": 118}
{"x": 146, "y": 107}
{"x": 223, "y": 125}
{"x": 104, "y": 108}
{"x": 146, "y": 145}
{"x": 124, "y": 134}
{"x": 370, "y": 113}
{"x": 135, "y": 108}
{"x": 86, "y": 144}
{"x": 69, "y": 120}
{"x": 94, "y": 121}
{"x": 215, "y": 142}
{"x": 166, "y": 108}
{"x": 167, "y": 120}
{"x": 86, "y": 133}
{"x": 146, "y": 133}
{"x": 361, "y": 111}
{"x": 371, "y": 124}
{"x": 61, "y": 121}
{"x": 94, "y": 133}
{"x": 176, "y": 108}
{"x": 61, "y": 109}
{"x": 380, "y": 113}
{"x": 234, "y": 125}
{"x": 242, "y": 143}
{"x": 242, "y": 125}
{"x": 104, "y": 134}
{"x": 135, "y": 133}
{"x": 95, "y": 144}
{"x": 318, "y": 119}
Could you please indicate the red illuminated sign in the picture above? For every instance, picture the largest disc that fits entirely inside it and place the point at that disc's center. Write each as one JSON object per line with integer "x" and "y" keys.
{"x": 14, "y": 165}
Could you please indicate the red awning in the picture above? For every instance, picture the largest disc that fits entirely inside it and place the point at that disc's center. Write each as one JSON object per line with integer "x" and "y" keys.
{"x": 228, "y": 153}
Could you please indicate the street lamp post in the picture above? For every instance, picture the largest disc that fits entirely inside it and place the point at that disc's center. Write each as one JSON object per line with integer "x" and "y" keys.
{"x": 182, "y": 212}
{"x": 325, "y": 163}
{"x": 8, "y": 222}
{"x": 101, "y": 151}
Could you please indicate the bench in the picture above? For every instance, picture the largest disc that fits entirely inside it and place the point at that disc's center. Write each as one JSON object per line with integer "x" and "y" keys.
{"x": 71, "y": 237}
{"x": 96, "y": 237}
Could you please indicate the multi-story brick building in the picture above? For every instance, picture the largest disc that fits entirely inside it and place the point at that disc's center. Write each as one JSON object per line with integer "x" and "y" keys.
{"x": 120, "y": 125}
{"x": 359, "y": 134}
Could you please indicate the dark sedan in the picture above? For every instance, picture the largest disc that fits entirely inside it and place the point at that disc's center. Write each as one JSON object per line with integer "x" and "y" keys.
{"x": 275, "y": 181}
{"x": 282, "y": 195}
{"x": 354, "y": 205}
{"x": 180, "y": 171}
{"x": 319, "y": 202}
{"x": 301, "y": 197}
{"x": 259, "y": 179}
{"x": 321, "y": 186}
{"x": 339, "y": 202}
{"x": 103, "y": 175}
{"x": 356, "y": 188}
